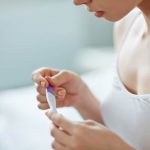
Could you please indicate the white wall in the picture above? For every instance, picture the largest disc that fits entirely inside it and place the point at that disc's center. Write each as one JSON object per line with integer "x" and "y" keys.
{"x": 35, "y": 33}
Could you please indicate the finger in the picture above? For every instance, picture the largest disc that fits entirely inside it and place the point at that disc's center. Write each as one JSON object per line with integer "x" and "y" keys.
{"x": 60, "y": 93}
{"x": 61, "y": 121}
{"x": 59, "y": 97}
{"x": 68, "y": 100}
{"x": 57, "y": 146}
{"x": 60, "y": 78}
{"x": 43, "y": 106}
{"x": 60, "y": 136}
{"x": 39, "y": 79}
{"x": 50, "y": 72}
{"x": 41, "y": 98}
{"x": 41, "y": 90}
{"x": 50, "y": 81}
{"x": 59, "y": 103}
{"x": 89, "y": 122}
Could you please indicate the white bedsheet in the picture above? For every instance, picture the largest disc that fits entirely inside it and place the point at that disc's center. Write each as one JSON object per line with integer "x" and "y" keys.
{"x": 24, "y": 127}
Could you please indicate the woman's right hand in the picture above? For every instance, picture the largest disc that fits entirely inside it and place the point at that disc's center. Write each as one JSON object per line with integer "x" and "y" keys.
{"x": 68, "y": 87}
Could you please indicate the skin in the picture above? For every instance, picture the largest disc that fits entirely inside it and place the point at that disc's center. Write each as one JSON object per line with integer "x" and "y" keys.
{"x": 76, "y": 136}
{"x": 70, "y": 90}
{"x": 121, "y": 8}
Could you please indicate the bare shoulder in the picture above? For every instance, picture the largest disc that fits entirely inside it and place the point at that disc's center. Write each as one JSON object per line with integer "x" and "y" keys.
{"x": 121, "y": 27}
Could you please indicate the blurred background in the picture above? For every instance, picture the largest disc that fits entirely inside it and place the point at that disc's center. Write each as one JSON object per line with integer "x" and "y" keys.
{"x": 50, "y": 33}
{"x": 35, "y": 33}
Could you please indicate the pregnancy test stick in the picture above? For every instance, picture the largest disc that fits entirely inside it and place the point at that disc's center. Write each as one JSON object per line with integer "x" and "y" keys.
{"x": 51, "y": 99}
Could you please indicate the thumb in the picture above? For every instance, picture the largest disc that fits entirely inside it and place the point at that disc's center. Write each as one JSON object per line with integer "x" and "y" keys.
{"x": 60, "y": 93}
{"x": 59, "y": 79}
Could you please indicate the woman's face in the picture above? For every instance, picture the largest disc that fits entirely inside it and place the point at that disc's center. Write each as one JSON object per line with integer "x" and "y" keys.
{"x": 112, "y": 10}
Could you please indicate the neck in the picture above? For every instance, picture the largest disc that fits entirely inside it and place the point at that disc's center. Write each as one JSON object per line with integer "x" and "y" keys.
{"x": 145, "y": 8}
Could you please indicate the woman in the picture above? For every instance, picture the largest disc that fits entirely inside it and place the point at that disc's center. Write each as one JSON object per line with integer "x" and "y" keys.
{"x": 122, "y": 121}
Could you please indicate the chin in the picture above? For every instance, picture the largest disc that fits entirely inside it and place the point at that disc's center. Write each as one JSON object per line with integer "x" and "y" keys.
{"x": 115, "y": 18}
{"x": 112, "y": 19}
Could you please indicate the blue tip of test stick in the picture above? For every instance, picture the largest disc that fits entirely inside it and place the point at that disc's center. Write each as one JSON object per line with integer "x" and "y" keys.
{"x": 50, "y": 90}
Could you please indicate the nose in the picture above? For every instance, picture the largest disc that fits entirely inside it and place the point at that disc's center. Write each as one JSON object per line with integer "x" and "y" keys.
{"x": 80, "y": 2}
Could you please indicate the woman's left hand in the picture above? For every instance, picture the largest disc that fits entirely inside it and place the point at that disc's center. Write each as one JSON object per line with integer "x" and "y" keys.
{"x": 86, "y": 135}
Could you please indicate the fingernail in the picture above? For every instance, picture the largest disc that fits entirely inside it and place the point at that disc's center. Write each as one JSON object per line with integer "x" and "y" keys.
{"x": 61, "y": 92}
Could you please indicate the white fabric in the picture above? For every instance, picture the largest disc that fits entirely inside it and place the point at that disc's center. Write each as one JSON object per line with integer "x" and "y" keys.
{"x": 24, "y": 127}
{"x": 125, "y": 113}
{"x": 128, "y": 114}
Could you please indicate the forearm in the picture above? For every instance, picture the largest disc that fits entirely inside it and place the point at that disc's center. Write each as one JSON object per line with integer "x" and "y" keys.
{"x": 118, "y": 143}
{"x": 88, "y": 106}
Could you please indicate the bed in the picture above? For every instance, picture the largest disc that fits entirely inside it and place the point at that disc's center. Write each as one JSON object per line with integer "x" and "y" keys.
{"x": 24, "y": 127}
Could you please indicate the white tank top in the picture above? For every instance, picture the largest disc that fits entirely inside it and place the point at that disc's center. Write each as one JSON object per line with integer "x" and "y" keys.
{"x": 127, "y": 114}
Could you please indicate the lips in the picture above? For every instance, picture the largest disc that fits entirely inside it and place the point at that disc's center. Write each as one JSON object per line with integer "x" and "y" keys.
{"x": 99, "y": 14}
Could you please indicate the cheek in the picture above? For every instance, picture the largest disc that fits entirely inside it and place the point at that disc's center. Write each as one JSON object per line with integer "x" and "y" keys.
{"x": 119, "y": 9}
